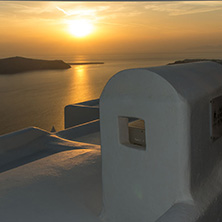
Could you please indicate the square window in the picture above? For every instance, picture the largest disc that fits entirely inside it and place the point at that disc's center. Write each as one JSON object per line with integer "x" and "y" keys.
{"x": 132, "y": 132}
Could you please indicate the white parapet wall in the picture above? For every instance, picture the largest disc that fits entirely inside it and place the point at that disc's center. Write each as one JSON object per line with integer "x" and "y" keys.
{"x": 80, "y": 113}
{"x": 15, "y": 145}
{"x": 14, "y": 140}
{"x": 159, "y": 165}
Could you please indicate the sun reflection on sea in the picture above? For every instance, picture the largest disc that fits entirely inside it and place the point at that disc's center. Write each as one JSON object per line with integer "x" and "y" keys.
{"x": 79, "y": 84}
{"x": 80, "y": 72}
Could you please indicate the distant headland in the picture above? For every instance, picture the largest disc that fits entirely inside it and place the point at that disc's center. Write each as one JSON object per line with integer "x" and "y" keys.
{"x": 195, "y": 60}
{"x": 20, "y": 64}
{"x": 86, "y": 63}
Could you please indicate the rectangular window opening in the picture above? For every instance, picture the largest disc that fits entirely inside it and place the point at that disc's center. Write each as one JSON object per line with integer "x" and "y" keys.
{"x": 216, "y": 118}
{"x": 132, "y": 132}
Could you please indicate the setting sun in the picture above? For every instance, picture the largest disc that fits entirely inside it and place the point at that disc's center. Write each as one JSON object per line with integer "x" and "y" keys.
{"x": 80, "y": 28}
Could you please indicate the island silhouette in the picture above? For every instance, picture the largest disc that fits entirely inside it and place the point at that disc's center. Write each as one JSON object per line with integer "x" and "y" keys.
{"x": 19, "y": 64}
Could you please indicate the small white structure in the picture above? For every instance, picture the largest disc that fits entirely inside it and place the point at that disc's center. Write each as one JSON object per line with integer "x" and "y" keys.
{"x": 170, "y": 169}
{"x": 80, "y": 113}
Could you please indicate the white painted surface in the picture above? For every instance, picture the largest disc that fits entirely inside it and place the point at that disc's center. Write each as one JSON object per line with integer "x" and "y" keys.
{"x": 93, "y": 138}
{"x": 62, "y": 187}
{"x": 176, "y": 178}
{"x": 81, "y": 113}
{"x": 20, "y": 138}
{"x": 61, "y": 183}
{"x": 173, "y": 101}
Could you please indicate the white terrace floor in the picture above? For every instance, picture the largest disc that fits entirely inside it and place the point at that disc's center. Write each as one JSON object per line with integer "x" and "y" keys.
{"x": 52, "y": 179}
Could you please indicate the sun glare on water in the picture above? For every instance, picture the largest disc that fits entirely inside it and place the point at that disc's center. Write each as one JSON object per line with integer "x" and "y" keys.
{"x": 80, "y": 28}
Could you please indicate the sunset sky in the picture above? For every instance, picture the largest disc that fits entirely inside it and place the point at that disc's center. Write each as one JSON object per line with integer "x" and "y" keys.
{"x": 49, "y": 28}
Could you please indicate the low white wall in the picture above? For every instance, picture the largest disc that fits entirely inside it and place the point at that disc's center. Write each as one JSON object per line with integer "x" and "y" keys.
{"x": 19, "y": 138}
{"x": 80, "y": 130}
{"x": 81, "y": 113}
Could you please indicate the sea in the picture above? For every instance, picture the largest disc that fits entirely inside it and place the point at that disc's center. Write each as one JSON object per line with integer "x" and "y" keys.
{"x": 38, "y": 98}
